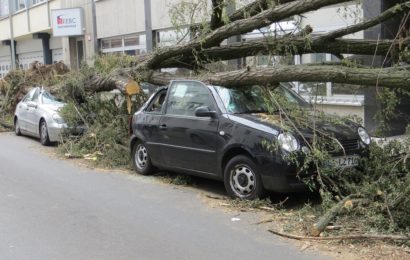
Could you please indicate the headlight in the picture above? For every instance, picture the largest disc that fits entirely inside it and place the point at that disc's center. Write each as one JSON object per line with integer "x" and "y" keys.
{"x": 288, "y": 142}
{"x": 57, "y": 118}
{"x": 364, "y": 136}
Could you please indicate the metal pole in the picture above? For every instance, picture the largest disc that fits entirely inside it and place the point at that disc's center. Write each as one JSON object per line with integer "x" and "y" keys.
{"x": 148, "y": 25}
{"x": 95, "y": 39}
{"x": 12, "y": 47}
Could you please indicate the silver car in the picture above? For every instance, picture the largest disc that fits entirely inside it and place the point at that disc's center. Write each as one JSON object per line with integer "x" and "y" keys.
{"x": 37, "y": 115}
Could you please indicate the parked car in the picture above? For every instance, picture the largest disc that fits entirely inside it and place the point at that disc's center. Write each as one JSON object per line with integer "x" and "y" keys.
{"x": 37, "y": 115}
{"x": 218, "y": 133}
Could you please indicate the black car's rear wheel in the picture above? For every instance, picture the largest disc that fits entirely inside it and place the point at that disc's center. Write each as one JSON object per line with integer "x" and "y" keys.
{"x": 141, "y": 160}
{"x": 44, "y": 138}
{"x": 17, "y": 127}
{"x": 242, "y": 180}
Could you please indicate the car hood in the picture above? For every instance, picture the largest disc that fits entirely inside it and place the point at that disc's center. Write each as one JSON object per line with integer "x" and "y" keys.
{"x": 334, "y": 126}
{"x": 55, "y": 107}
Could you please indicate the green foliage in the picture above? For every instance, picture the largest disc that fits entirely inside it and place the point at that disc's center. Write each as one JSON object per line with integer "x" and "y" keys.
{"x": 105, "y": 140}
{"x": 108, "y": 63}
{"x": 382, "y": 181}
{"x": 103, "y": 115}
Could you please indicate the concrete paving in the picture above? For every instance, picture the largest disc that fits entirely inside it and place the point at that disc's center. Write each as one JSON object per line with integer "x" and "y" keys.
{"x": 54, "y": 209}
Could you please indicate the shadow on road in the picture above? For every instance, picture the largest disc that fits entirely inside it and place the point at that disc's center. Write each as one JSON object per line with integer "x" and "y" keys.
{"x": 216, "y": 188}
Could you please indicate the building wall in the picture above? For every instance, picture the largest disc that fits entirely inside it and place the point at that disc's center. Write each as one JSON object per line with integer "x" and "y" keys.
{"x": 119, "y": 17}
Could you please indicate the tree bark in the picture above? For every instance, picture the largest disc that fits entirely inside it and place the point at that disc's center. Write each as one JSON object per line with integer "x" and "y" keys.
{"x": 388, "y": 77}
{"x": 289, "y": 46}
{"x": 347, "y": 237}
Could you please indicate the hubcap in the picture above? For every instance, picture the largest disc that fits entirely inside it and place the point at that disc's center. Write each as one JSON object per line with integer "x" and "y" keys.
{"x": 242, "y": 180}
{"x": 141, "y": 157}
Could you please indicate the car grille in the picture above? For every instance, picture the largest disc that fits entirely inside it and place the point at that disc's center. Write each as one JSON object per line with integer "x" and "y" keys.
{"x": 349, "y": 146}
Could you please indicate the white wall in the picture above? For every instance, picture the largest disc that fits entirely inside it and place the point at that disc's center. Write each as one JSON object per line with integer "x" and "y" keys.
{"x": 119, "y": 17}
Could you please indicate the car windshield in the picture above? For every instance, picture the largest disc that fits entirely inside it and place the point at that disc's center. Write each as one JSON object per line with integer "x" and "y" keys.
{"x": 49, "y": 99}
{"x": 251, "y": 99}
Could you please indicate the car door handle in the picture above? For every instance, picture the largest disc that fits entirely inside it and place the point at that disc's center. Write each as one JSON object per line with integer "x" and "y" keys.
{"x": 163, "y": 127}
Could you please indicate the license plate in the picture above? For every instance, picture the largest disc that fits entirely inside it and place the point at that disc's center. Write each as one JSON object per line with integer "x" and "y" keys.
{"x": 345, "y": 161}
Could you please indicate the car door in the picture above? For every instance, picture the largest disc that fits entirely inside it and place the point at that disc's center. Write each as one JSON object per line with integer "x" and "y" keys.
{"x": 189, "y": 142}
{"x": 148, "y": 126}
{"x": 32, "y": 113}
{"x": 23, "y": 110}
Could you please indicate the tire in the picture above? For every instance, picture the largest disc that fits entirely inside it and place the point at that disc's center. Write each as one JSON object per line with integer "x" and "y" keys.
{"x": 17, "y": 130}
{"x": 44, "y": 138}
{"x": 141, "y": 160}
{"x": 242, "y": 180}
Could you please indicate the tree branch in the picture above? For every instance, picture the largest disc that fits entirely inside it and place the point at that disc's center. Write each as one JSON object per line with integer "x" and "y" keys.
{"x": 347, "y": 237}
{"x": 289, "y": 46}
{"x": 243, "y": 26}
{"x": 386, "y": 15}
{"x": 216, "y": 17}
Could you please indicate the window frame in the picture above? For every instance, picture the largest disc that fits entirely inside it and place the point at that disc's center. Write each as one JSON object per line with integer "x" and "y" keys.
{"x": 210, "y": 93}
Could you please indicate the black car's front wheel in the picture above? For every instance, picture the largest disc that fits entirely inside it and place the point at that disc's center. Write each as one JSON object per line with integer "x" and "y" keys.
{"x": 242, "y": 180}
{"x": 141, "y": 160}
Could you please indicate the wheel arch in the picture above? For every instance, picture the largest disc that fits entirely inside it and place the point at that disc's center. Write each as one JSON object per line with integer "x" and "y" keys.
{"x": 231, "y": 153}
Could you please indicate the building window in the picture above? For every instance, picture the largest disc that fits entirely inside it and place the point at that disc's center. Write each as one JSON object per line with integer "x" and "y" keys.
{"x": 129, "y": 45}
{"x": 34, "y": 2}
{"x": 171, "y": 37}
{"x": 4, "y": 7}
{"x": 324, "y": 89}
{"x": 20, "y": 4}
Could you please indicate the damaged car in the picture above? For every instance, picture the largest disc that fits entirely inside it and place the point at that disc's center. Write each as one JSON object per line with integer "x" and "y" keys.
{"x": 219, "y": 133}
{"x": 37, "y": 115}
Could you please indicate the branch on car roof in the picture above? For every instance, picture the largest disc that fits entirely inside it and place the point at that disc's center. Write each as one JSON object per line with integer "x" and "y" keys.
{"x": 389, "y": 77}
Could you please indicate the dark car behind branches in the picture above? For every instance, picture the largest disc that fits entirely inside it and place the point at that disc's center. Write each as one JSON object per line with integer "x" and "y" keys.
{"x": 226, "y": 134}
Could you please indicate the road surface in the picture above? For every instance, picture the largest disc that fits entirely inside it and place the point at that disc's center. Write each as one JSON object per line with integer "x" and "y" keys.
{"x": 54, "y": 209}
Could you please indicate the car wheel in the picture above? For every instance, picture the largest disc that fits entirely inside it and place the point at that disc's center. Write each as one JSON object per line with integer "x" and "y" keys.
{"x": 17, "y": 127}
{"x": 141, "y": 160}
{"x": 44, "y": 138}
{"x": 242, "y": 180}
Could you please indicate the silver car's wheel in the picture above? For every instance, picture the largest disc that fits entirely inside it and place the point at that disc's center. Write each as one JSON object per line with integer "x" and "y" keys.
{"x": 141, "y": 159}
{"x": 17, "y": 127}
{"x": 44, "y": 138}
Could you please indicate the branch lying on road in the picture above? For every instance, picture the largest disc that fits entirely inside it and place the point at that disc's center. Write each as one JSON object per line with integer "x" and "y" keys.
{"x": 347, "y": 237}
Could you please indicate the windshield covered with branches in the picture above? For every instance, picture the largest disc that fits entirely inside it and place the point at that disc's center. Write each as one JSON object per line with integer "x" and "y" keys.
{"x": 49, "y": 99}
{"x": 254, "y": 100}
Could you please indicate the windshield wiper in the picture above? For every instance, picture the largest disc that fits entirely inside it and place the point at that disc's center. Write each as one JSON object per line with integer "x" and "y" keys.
{"x": 251, "y": 112}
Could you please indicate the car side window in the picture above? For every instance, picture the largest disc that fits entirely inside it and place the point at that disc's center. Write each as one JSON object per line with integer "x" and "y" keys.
{"x": 186, "y": 97}
{"x": 30, "y": 95}
{"x": 157, "y": 103}
{"x": 35, "y": 96}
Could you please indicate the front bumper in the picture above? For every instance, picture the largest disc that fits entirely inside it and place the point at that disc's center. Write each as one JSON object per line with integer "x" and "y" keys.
{"x": 55, "y": 131}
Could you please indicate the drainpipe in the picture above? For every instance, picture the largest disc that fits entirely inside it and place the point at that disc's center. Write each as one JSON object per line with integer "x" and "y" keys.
{"x": 12, "y": 43}
{"x": 95, "y": 39}
{"x": 148, "y": 25}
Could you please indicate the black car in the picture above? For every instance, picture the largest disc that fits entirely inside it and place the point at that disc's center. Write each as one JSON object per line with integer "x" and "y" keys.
{"x": 219, "y": 133}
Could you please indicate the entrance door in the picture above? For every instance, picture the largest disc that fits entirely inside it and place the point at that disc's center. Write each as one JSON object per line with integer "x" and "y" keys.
{"x": 80, "y": 52}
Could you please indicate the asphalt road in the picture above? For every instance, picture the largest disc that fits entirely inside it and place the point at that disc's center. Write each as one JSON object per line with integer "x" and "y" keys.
{"x": 53, "y": 209}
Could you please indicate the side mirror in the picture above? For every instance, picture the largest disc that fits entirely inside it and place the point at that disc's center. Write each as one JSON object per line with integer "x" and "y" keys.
{"x": 32, "y": 104}
{"x": 205, "y": 112}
